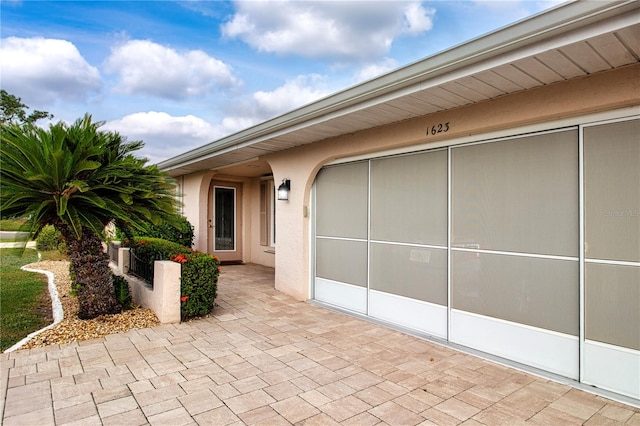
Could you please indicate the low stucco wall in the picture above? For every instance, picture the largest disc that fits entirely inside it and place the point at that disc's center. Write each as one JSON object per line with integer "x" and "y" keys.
{"x": 164, "y": 297}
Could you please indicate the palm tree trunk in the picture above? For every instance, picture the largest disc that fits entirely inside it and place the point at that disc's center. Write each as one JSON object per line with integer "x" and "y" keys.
{"x": 91, "y": 273}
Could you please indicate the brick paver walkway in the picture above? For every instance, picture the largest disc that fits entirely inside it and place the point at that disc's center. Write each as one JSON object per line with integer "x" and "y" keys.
{"x": 263, "y": 358}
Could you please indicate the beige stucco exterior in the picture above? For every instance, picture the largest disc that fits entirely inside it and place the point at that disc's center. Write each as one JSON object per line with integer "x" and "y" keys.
{"x": 601, "y": 92}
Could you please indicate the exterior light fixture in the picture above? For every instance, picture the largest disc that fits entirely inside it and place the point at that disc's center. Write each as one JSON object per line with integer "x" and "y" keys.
{"x": 283, "y": 190}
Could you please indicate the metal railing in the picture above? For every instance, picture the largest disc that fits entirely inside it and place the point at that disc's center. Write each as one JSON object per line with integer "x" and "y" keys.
{"x": 141, "y": 265}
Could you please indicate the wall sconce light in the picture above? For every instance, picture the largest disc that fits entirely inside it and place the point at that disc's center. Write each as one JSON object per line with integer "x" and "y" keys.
{"x": 283, "y": 190}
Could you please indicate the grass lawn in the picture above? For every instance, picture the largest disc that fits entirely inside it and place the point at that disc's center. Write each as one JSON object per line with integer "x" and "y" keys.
{"x": 25, "y": 305}
{"x": 12, "y": 225}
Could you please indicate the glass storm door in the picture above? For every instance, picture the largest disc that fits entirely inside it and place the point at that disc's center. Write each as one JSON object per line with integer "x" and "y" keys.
{"x": 226, "y": 222}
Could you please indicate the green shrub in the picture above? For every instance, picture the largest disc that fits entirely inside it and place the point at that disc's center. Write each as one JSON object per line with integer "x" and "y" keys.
{"x": 50, "y": 239}
{"x": 122, "y": 291}
{"x": 199, "y": 283}
{"x": 157, "y": 248}
{"x": 198, "y": 288}
{"x": 182, "y": 234}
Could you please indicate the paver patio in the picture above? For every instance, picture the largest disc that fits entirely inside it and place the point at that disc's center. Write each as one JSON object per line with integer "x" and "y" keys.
{"x": 264, "y": 358}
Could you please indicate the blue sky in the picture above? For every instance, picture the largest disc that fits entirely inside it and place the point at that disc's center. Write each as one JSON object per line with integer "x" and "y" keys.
{"x": 179, "y": 74}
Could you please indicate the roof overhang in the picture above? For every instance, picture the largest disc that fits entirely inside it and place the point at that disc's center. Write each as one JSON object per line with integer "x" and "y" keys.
{"x": 569, "y": 41}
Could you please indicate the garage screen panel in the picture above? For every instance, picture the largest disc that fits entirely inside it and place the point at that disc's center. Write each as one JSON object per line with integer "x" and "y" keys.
{"x": 342, "y": 260}
{"x": 342, "y": 201}
{"x": 612, "y": 233}
{"x": 525, "y": 290}
{"x": 613, "y": 304}
{"x": 518, "y": 195}
{"x": 409, "y": 198}
{"x": 341, "y": 248}
{"x": 612, "y": 191}
{"x": 515, "y": 270}
{"x": 612, "y": 256}
{"x": 416, "y": 272}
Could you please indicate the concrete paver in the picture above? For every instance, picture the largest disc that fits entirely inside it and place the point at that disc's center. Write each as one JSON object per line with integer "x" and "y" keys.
{"x": 263, "y": 358}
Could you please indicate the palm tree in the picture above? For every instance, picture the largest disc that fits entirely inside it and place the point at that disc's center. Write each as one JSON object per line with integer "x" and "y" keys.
{"x": 79, "y": 179}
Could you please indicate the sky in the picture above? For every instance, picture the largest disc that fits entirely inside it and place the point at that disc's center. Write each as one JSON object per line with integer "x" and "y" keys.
{"x": 180, "y": 74}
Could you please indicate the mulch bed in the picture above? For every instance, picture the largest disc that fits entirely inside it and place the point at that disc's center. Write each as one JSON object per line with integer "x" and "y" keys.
{"x": 72, "y": 329}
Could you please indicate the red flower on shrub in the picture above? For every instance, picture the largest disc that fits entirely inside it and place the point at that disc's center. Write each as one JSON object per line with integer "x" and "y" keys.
{"x": 216, "y": 258}
{"x": 184, "y": 298}
{"x": 141, "y": 243}
{"x": 180, "y": 258}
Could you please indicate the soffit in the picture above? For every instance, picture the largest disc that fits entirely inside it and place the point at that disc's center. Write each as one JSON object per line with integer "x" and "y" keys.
{"x": 587, "y": 49}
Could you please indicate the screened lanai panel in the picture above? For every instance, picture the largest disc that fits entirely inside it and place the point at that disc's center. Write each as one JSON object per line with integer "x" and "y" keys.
{"x": 409, "y": 198}
{"x": 612, "y": 191}
{"x": 611, "y": 357}
{"x": 415, "y": 272}
{"x": 343, "y": 261}
{"x": 342, "y": 200}
{"x": 538, "y": 292}
{"x": 613, "y": 304}
{"x": 517, "y": 195}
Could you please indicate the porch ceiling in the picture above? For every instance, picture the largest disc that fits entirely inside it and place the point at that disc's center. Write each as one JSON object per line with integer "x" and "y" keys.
{"x": 570, "y": 41}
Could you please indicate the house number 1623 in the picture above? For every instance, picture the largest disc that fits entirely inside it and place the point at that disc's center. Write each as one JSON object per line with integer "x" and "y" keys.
{"x": 438, "y": 128}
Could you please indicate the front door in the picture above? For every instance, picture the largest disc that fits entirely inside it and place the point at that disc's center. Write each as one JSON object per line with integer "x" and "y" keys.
{"x": 225, "y": 221}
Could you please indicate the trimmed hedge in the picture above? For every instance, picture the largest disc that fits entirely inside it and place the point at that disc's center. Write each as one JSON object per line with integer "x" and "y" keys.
{"x": 199, "y": 282}
{"x": 180, "y": 232}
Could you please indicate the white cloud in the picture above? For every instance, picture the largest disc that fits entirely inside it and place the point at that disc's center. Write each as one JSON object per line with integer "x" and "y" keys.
{"x": 148, "y": 68}
{"x": 294, "y": 93}
{"x": 351, "y": 30}
{"x": 165, "y": 135}
{"x": 235, "y": 124}
{"x": 265, "y": 105}
{"x": 376, "y": 69}
{"x": 418, "y": 19}
{"x": 41, "y": 71}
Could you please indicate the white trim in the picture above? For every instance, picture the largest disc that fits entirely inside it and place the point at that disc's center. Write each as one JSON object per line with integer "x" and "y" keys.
{"x": 552, "y": 125}
{"x": 581, "y": 245}
{"x": 517, "y": 254}
{"x": 609, "y": 346}
{"x": 425, "y": 317}
{"x": 449, "y": 238}
{"x": 271, "y": 189}
{"x": 611, "y": 121}
{"x": 347, "y": 296}
{"x": 540, "y": 348}
{"x": 395, "y": 243}
{"x": 367, "y": 312}
{"x": 312, "y": 241}
{"x": 613, "y": 368}
{"x": 235, "y": 219}
{"x": 613, "y": 262}
{"x": 521, "y": 135}
{"x": 322, "y": 237}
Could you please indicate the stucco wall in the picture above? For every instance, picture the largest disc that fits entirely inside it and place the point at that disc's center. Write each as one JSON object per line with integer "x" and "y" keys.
{"x": 599, "y": 92}
{"x": 195, "y": 186}
{"x": 196, "y": 199}
{"x": 256, "y": 253}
